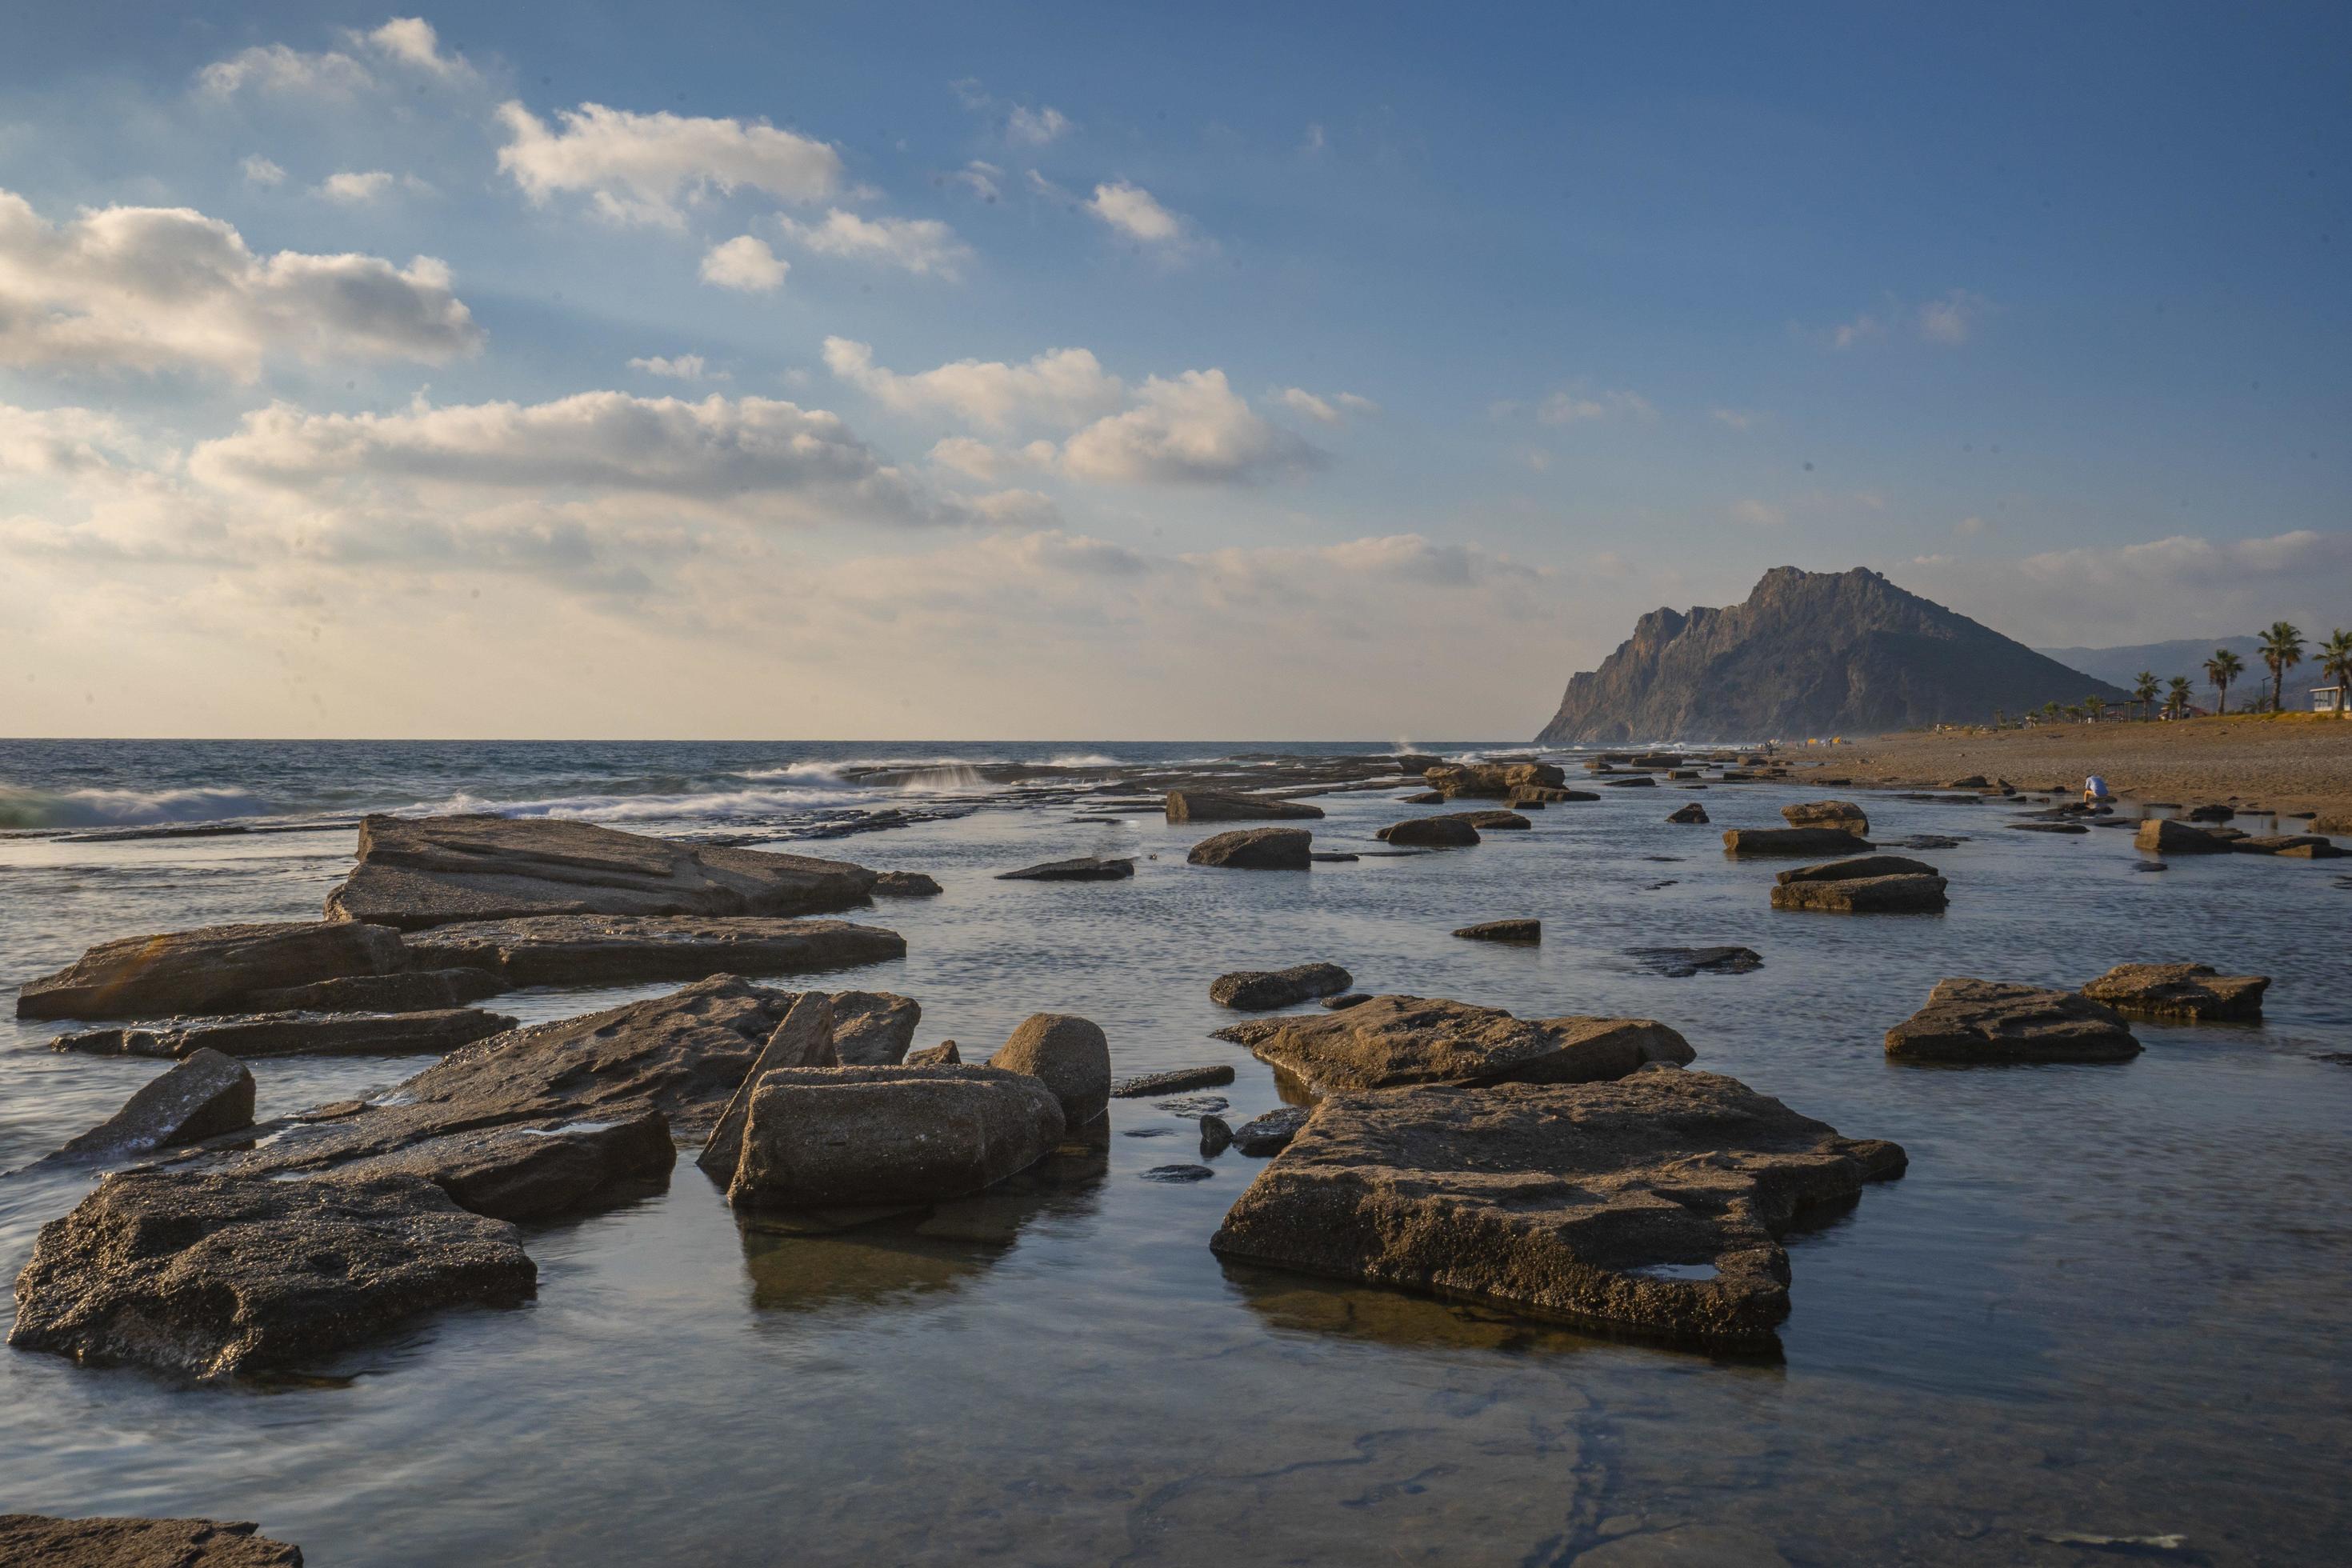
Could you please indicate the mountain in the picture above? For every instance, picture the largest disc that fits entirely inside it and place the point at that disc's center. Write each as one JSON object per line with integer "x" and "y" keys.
{"x": 2164, "y": 660}
{"x": 1811, "y": 653}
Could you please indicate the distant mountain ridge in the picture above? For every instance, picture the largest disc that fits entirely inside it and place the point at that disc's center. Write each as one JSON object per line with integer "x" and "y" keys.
{"x": 2182, "y": 655}
{"x": 1810, "y": 653}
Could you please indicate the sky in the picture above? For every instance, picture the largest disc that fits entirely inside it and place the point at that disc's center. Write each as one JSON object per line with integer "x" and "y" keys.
{"x": 1084, "y": 372}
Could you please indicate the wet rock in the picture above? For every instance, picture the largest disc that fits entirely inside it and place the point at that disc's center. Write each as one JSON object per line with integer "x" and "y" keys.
{"x": 1537, "y": 795}
{"x": 1694, "y": 812}
{"x": 1345, "y": 1000}
{"x": 1793, "y": 841}
{"x": 1864, "y": 896}
{"x": 1642, "y": 782}
{"x": 2193, "y": 991}
{"x": 804, "y": 1039}
{"x": 1394, "y": 1040}
{"x": 1255, "y": 850}
{"x": 1514, "y": 931}
{"x": 1450, "y": 832}
{"x": 2213, "y": 813}
{"x": 1216, "y": 1136}
{"x": 2170, "y": 835}
{"x": 1084, "y": 868}
{"x": 1194, "y": 1106}
{"x": 873, "y": 1028}
{"x": 821, "y": 1137}
{"x": 2294, "y": 846}
{"x": 1683, "y": 962}
{"x": 414, "y": 872}
{"x": 1262, "y": 990}
{"x": 1069, "y": 1054}
{"x": 1172, "y": 1082}
{"x": 436, "y": 1033}
{"x": 204, "y": 1096}
{"x": 1206, "y": 805}
{"x": 1840, "y": 814}
{"x": 1855, "y": 869}
{"x": 209, "y": 1276}
{"x": 216, "y": 969}
{"x": 904, "y": 885}
{"x": 1654, "y": 1204}
{"x": 1973, "y": 781}
{"x": 1970, "y": 1020}
{"x": 30, "y": 1538}
{"x": 1921, "y": 841}
{"x": 1498, "y": 780}
{"x": 531, "y": 1173}
{"x": 1271, "y": 1133}
{"x": 1425, "y": 797}
{"x": 417, "y": 991}
{"x": 2048, "y": 827}
{"x": 626, "y": 950}
{"x": 1496, "y": 821}
{"x": 1178, "y": 1174}
{"x": 944, "y": 1054}
{"x": 1331, "y": 857}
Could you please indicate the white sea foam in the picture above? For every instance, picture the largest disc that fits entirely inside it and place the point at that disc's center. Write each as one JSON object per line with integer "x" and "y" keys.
{"x": 714, "y": 805}
{"x": 22, "y": 807}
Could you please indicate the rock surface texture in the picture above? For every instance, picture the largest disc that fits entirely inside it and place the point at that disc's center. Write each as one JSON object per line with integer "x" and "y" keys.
{"x": 1262, "y": 990}
{"x": 1968, "y": 1020}
{"x": 1256, "y": 849}
{"x": 2170, "y": 835}
{"x": 216, "y": 968}
{"x": 297, "y": 1035}
{"x": 1084, "y": 868}
{"x": 2189, "y": 991}
{"x": 204, "y": 1096}
{"x": 1793, "y": 841}
{"x": 1452, "y": 832}
{"x": 1517, "y": 931}
{"x": 1841, "y": 814}
{"x": 1068, "y": 1054}
{"x": 31, "y": 1538}
{"x": 627, "y": 950}
{"x": 1207, "y": 805}
{"x": 1694, "y": 812}
{"x": 416, "y": 991}
{"x": 1865, "y": 895}
{"x": 835, "y": 1137}
{"x": 1394, "y": 1040}
{"x": 1498, "y": 781}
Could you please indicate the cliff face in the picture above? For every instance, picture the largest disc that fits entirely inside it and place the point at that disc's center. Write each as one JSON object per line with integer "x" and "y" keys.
{"x": 1811, "y": 653}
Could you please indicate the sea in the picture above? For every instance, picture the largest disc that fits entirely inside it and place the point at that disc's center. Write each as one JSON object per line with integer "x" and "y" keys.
{"x": 2103, "y": 1314}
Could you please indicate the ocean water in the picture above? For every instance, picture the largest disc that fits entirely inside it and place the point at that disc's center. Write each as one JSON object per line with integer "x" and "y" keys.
{"x": 2107, "y": 1302}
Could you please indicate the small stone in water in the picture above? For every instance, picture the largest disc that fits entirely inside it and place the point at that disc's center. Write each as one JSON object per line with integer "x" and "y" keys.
{"x": 1178, "y": 1174}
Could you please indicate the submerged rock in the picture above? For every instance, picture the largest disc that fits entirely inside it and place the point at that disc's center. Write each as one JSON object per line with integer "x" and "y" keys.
{"x": 204, "y": 1096}
{"x": 2047, "y": 827}
{"x": 1069, "y": 1054}
{"x": 1865, "y": 895}
{"x": 1517, "y": 931}
{"x": 531, "y": 1173}
{"x": 2170, "y": 835}
{"x": 1839, "y": 813}
{"x": 825, "y": 1137}
{"x": 215, "y": 969}
{"x": 904, "y": 885}
{"x": 2194, "y": 991}
{"x": 1262, "y": 990}
{"x": 1255, "y": 850}
{"x": 1172, "y": 1082}
{"x": 1694, "y": 812}
{"x": 1968, "y": 1020}
{"x": 1654, "y": 1204}
{"x": 626, "y": 950}
{"x": 208, "y": 1276}
{"x": 1640, "y": 781}
{"x": 1793, "y": 841}
{"x": 1393, "y": 1040}
{"x": 1683, "y": 962}
{"x": 417, "y": 991}
{"x": 1177, "y": 1173}
{"x": 1272, "y": 1132}
{"x": 1450, "y": 832}
{"x": 1083, "y": 869}
{"x": 1347, "y": 999}
{"x": 1208, "y": 805}
{"x": 1856, "y": 869}
{"x": 435, "y": 1032}
{"x": 29, "y": 1538}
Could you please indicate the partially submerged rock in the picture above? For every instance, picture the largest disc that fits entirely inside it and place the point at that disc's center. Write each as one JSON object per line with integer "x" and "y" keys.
{"x": 1839, "y": 813}
{"x": 1171, "y": 1083}
{"x": 1682, "y": 963}
{"x": 2192, "y": 991}
{"x": 1694, "y": 812}
{"x": 873, "y": 1028}
{"x": 1865, "y": 895}
{"x": 1455, "y": 831}
{"x": 435, "y": 1032}
{"x": 416, "y": 991}
{"x": 1069, "y": 1054}
{"x": 1210, "y": 806}
{"x": 216, "y": 969}
{"x": 1083, "y": 869}
{"x": 1271, "y": 1133}
{"x": 1856, "y": 869}
{"x": 1517, "y": 931}
{"x": 208, "y": 1276}
{"x": 1654, "y": 1204}
{"x": 1793, "y": 841}
{"x": 1262, "y": 990}
{"x": 628, "y": 950}
{"x": 1393, "y": 1040}
{"x": 1969, "y": 1020}
{"x": 804, "y": 1039}
{"x": 904, "y": 885}
{"x": 820, "y": 1137}
{"x": 204, "y": 1096}
{"x": 531, "y": 1173}
{"x": 1255, "y": 850}
{"x": 414, "y": 872}
{"x": 30, "y": 1538}
{"x": 2170, "y": 835}
{"x": 2293, "y": 846}
{"x": 1497, "y": 821}
{"x": 1498, "y": 780}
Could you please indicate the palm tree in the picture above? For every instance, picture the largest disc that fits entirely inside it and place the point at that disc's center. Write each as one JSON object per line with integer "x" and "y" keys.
{"x": 2176, "y": 696}
{"x": 2223, "y": 667}
{"x": 2335, "y": 664}
{"x": 2144, "y": 690}
{"x": 2050, "y": 711}
{"x": 2095, "y": 707}
{"x": 2281, "y": 651}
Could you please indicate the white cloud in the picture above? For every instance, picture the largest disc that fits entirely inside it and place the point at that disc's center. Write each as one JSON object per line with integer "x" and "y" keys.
{"x": 1029, "y": 127}
{"x": 1758, "y": 513}
{"x": 1969, "y": 527}
{"x": 744, "y": 263}
{"x": 1573, "y": 407}
{"x": 407, "y": 43}
{"x": 1864, "y": 327}
{"x": 1060, "y": 388}
{"x": 360, "y": 188}
{"x": 677, "y": 367}
{"x": 1187, "y": 429}
{"x": 1332, "y": 410}
{"x": 38, "y": 443}
{"x": 412, "y": 41}
{"x": 1134, "y": 212}
{"x": 1950, "y": 319}
{"x": 915, "y": 245}
{"x": 260, "y": 171}
{"x": 980, "y": 179}
{"x": 151, "y": 287}
{"x": 1740, "y": 419}
{"x": 636, "y": 168}
{"x": 993, "y": 465}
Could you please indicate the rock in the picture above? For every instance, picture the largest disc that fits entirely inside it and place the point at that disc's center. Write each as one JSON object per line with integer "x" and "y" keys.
{"x": 216, "y": 969}
{"x": 1216, "y": 1136}
{"x": 414, "y": 872}
{"x": 1921, "y": 841}
{"x": 1271, "y": 1133}
{"x": 1255, "y": 850}
{"x": 1991, "y": 1020}
{"x": 204, "y": 1096}
{"x": 2193, "y": 991}
{"x": 1642, "y": 782}
{"x": 1864, "y": 895}
{"x": 1450, "y": 832}
{"x": 1842, "y": 814}
{"x": 1973, "y": 781}
{"x": 2210, "y": 814}
{"x": 2296, "y": 846}
{"x": 1536, "y": 795}
{"x": 1654, "y": 1204}
{"x": 1069, "y": 1054}
{"x": 1262, "y": 990}
{"x": 904, "y": 885}
{"x": 1331, "y": 857}
{"x": 1682, "y": 963}
{"x": 944, "y": 1054}
{"x": 627, "y": 950}
{"x": 1347, "y": 1000}
{"x": 1518, "y": 931}
{"x": 873, "y": 1028}
{"x": 1172, "y": 1082}
{"x": 821, "y": 1137}
{"x": 1856, "y": 869}
{"x": 418, "y": 991}
{"x": 1177, "y": 1173}
{"x": 209, "y": 1276}
{"x": 1694, "y": 812}
{"x": 1792, "y": 841}
{"x": 436, "y": 1033}
{"x": 1499, "y": 780}
{"x": 1084, "y": 868}
{"x": 2047, "y": 827}
{"x": 1394, "y": 1040}
{"x": 2170, "y": 835}
{"x": 804, "y": 1039}
{"x": 29, "y": 1538}
{"x": 1206, "y": 805}
{"x": 1425, "y": 797}
{"x": 1415, "y": 764}
{"x": 531, "y": 1173}
{"x": 1496, "y": 821}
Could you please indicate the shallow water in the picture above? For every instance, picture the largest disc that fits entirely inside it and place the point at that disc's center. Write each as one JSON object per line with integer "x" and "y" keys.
{"x": 2105, "y": 1299}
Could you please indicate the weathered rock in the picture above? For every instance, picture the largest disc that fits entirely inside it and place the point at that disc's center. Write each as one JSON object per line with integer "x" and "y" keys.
{"x": 1537, "y": 794}
{"x": 944, "y": 1054}
{"x": 1496, "y": 821}
{"x": 1855, "y": 869}
{"x": 1177, "y": 1173}
{"x": 1453, "y": 831}
{"x": 2194, "y": 991}
{"x": 2170, "y": 835}
{"x": 1654, "y": 1203}
{"x": 873, "y": 1028}
{"x": 1083, "y": 869}
{"x": 1171, "y": 1083}
{"x": 204, "y": 1096}
{"x": 2047, "y": 827}
{"x": 436, "y": 1033}
{"x": 1683, "y": 962}
{"x": 2212, "y": 812}
{"x": 529, "y": 1173}
{"x": 417, "y": 991}
{"x": 804, "y": 1039}
{"x": 216, "y": 968}
{"x": 1842, "y": 814}
{"x": 1255, "y": 850}
{"x": 30, "y": 1538}
{"x": 1498, "y": 780}
{"x": 1518, "y": 931}
{"x": 1694, "y": 812}
{"x": 904, "y": 885}
{"x": 1865, "y": 895}
{"x": 1974, "y": 781}
{"x": 209, "y": 1276}
{"x": 1069, "y": 1054}
{"x": 1216, "y": 1136}
{"x": 2294, "y": 846}
{"x": 821, "y": 1137}
{"x": 1394, "y": 1040}
{"x": 1417, "y": 763}
{"x": 1262, "y": 990}
{"x": 1345, "y": 1000}
{"x": 414, "y": 872}
{"x": 1643, "y": 782}
{"x": 1425, "y": 797}
{"x": 1272, "y": 1132}
{"x": 1207, "y": 805}
{"x": 627, "y": 950}
{"x": 1331, "y": 857}
{"x": 1792, "y": 841}
{"x": 1991, "y": 1020}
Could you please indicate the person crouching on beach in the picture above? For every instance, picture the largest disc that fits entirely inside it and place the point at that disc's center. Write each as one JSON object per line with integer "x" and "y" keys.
{"x": 2094, "y": 791}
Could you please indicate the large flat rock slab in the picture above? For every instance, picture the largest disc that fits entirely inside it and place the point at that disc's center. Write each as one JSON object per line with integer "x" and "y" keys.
{"x": 1970, "y": 1020}
{"x": 1213, "y": 805}
{"x": 2195, "y": 991}
{"x": 205, "y": 1277}
{"x": 1652, "y": 1204}
{"x": 29, "y": 1538}
{"x": 436, "y": 1033}
{"x": 1497, "y": 781}
{"x": 1839, "y": 813}
{"x": 1255, "y": 850}
{"x": 1264, "y": 990}
{"x": 215, "y": 969}
{"x": 415, "y": 872}
{"x": 1865, "y": 895}
{"x": 626, "y": 950}
{"x": 1797, "y": 841}
{"x": 1394, "y": 1040}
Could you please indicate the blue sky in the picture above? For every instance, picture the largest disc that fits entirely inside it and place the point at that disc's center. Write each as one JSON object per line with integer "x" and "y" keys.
{"x": 1334, "y": 370}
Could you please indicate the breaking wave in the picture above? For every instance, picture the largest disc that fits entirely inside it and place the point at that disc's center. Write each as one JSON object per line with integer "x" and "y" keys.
{"x": 21, "y": 808}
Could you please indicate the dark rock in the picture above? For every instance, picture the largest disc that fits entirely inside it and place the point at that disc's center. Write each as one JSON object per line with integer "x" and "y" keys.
{"x": 2047, "y": 827}
{"x": 210, "y": 1276}
{"x": 204, "y": 1096}
{"x": 2170, "y": 835}
{"x": 627, "y": 950}
{"x": 1069, "y": 1054}
{"x": 29, "y": 1538}
{"x": 1393, "y": 1040}
{"x": 1534, "y": 794}
{"x": 1855, "y": 869}
{"x": 804, "y": 1039}
{"x": 1255, "y": 850}
{"x": 2294, "y": 846}
{"x": 531, "y": 1173}
{"x": 1632, "y": 784}
{"x": 1517, "y": 931}
{"x": 1921, "y": 841}
{"x": 1991, "y": 1020}
{"x": 1272, "y": 1132}
{"x": 1331, "y": 857}
{"x": 1417, "y": 763}
{"x": 1262, "y": 990}
{"x": 1498, "y": 780}
{"x": 414, "y": 872}
{"x": 2192, "y": 991}
{"x": 436, "y": 1033}
{"x": 1347, "y": 1000}
{"x": 1495, "y": 821}
{"x": 1841, "y": 814}
{"x": 1178, "y": 1174}
{"x": 1974, "y": 781}
{"x": 824, "y": 1137}
{"x": 1172, "y": 1082}
{"x": 2211, "y": 813}
{"x": 1865, "y": 895}
{"x": 1084, "y": 868}
{"x": 873, "y": 1028}
{"x": 1216, "y": 1136}
{"x": 905, "y": 885}
{"x": 1654, "y": 1203}
{"x": 1694, "y": 812}
{"x": 216, "y": 968}
{"x": 1793, "y": 841}
{"x": 1206, "y": 805}
{"x": 1194, "y": 1106}
{"x": 1682, "y": 963}
{"x": 418, "y": 991}
{"x": 944, "y": 1054}
{"x": 1425, "y": 797}
{"x": 1450, "y": 832}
